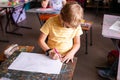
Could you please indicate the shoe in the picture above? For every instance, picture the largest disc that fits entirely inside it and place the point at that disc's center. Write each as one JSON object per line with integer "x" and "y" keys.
{"x": 104, "y": 73}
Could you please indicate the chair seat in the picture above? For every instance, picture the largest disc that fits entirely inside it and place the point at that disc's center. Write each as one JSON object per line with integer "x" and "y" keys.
{"x": 44, "y": 17}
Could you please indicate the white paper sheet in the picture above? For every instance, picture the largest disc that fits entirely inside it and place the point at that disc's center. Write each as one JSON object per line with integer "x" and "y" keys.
{"x": 116, "y": 26}
{"x": 36, "y": 63}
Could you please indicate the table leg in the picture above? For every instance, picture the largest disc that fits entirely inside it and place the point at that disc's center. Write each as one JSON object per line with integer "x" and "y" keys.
{"x": 10, "y": 18}
{"x": 3, "y": 33}
{"x": 91, "y": 37}
{"x": 39, "y": 19}
{"x": 86, "y": 42}
{"x": 19, "y": 17}
{"x": 115, "y": 43}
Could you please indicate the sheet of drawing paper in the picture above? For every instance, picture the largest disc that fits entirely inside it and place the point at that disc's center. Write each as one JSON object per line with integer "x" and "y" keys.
{"x": 34, "y": 62}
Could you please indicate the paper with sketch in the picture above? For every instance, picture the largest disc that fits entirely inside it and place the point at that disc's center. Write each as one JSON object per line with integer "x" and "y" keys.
{"x": 115, "y": 26}
{"x": 36, "y": 63}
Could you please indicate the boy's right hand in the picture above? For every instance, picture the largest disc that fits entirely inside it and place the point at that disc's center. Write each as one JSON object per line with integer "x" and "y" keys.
{"x": 53, "y": 55}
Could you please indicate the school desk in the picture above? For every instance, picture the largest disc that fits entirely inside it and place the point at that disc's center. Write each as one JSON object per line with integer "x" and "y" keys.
{"x": 66, "y": 72}
{"x": 113, "y": 35}
{"x": 10, "y": 9}
{"x": 86, "y": 27}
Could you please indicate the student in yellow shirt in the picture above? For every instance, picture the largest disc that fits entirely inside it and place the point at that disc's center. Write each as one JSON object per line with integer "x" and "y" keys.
{"x": 60, "y": 35}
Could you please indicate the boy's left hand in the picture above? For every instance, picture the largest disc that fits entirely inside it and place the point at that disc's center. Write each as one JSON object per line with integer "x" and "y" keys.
{"x": 68, "y": 57}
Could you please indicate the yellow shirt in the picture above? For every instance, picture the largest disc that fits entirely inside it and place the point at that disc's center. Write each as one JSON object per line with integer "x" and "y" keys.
{"x": 59, "y": 37}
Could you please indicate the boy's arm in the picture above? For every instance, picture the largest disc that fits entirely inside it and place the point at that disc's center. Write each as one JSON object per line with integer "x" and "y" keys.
{"x": 44, "y": 3}
{"x": 42, "y": 43}
{"x": 70, "y": 55}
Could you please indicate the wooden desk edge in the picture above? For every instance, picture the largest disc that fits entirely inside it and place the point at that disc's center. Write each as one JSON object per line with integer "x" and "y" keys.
{"x": 87, "y": 27}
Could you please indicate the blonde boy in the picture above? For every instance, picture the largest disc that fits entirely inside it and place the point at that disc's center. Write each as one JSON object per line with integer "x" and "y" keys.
{"x": 62, "y": 33}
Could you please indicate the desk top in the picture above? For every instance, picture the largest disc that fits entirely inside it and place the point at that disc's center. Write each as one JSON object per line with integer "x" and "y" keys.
{"x": 44, "y": 10}
{"x": 65, "y": 74}
{"x": 87, "y": 25}
{"x": 107, "y": 22}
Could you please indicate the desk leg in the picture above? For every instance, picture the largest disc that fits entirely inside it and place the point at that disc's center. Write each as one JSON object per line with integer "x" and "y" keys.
{"x": 86, "y": 42}
{"x": 115, "y": 44}
{"x": 10, "y": 18}
{"x": 3, "y": 33}
{"x": 40, "y": 21}
{"x": 19, "y": 17}
{"x": 91, "y": 37}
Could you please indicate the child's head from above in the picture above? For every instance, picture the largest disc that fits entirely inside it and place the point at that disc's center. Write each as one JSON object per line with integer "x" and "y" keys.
{"x": 71, "y": 14}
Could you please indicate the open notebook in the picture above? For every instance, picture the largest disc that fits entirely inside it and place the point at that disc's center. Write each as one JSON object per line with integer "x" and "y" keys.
{"x": 33, "y": 62}
{"x": 115, "y": 26}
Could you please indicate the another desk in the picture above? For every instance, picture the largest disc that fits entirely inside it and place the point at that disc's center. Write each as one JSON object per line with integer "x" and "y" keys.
{"x": 86, "y": 28}
{"x": 113, "y": 35}
{"x": 65, "y": 74}
{"x": 9, "y": 11}
{"x": 46, "y": 13}
{"x": 106, "y": 32}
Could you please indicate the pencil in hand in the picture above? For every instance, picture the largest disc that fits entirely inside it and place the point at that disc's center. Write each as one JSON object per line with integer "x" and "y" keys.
{"x": 57, "y": 53}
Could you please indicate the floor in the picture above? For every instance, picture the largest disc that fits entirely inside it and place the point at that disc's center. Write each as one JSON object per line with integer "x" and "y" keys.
{"x": 86, "y": 63}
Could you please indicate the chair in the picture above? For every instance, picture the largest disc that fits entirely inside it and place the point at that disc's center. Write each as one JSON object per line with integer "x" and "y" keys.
{"x": 44, "y": 17}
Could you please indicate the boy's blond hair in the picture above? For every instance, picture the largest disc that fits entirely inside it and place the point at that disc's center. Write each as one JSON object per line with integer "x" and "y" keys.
{"x": 72, "y": 13}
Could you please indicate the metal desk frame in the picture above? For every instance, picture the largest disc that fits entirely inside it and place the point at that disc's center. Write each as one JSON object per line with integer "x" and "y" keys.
{"x": 9, "y": 11}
